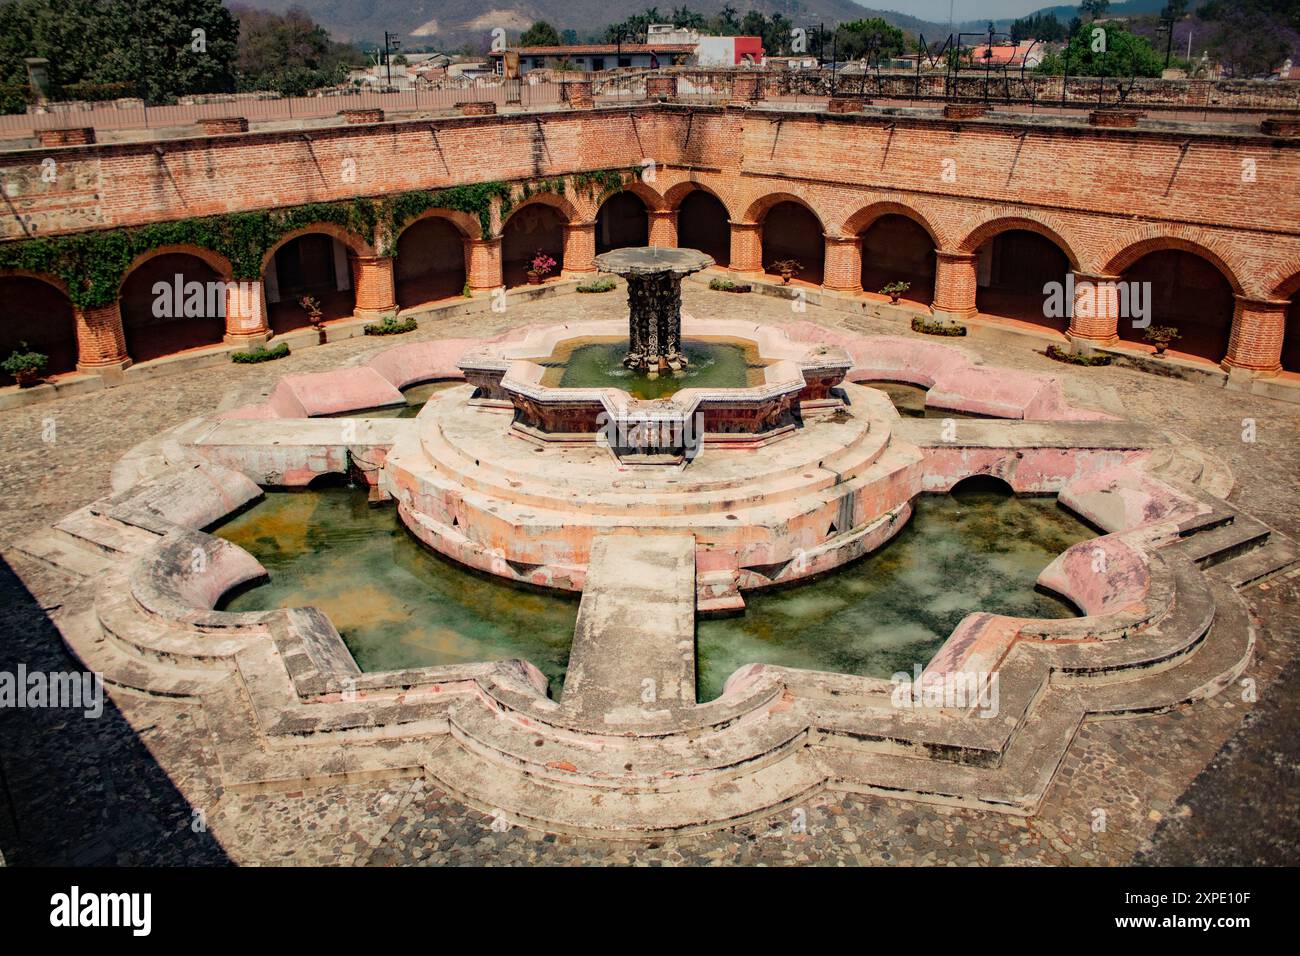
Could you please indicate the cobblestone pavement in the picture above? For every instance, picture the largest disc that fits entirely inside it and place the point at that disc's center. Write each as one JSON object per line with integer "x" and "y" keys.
{"x": 1218, "y": 782}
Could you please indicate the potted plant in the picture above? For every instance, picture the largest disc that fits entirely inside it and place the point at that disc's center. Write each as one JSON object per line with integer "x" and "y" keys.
{"x": 786, "y": 268}
{"x": 539, "y": 267}
{"x": 895, "y": 290}
{"x": 312, "y": 307}
{"x": 1160, "y": 336}
{"x": 25, "y": 367}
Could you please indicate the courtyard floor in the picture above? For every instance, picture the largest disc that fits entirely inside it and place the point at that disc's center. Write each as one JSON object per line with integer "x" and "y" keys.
{"x": 1216, "y": 782}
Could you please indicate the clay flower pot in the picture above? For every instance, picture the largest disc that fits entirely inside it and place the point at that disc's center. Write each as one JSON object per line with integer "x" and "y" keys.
{"x": 786, "y": 277}
{"x": 27, "y": 377}
{"x": 534, "y": 278}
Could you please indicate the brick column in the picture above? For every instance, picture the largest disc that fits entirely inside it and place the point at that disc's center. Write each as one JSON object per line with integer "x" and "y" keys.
{"x": 746, "y": 247}
{"x": 843, "y": 267}
{"x": 1255, "y": 343}
{"x": 372, "y": 285}
{"x": 579, "y": 248}
{"x": 662, "y": 88}
{"x": 663, "y": 227}
{"x": 245, "y": 314}
{"x": 578, "y": 94}
{"x": 101, "y": 341}
{"x": 954, "y": 285}
{"x": 483, "y": 264}
{"x": 1095, "y": 316}
{"x": 746, "y": 88}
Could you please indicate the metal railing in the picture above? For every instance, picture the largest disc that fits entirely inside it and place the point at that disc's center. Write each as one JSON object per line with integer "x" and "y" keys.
{"x": 804, "y": 89}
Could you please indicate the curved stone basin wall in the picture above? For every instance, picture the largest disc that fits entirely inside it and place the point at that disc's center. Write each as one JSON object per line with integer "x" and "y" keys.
{"x": 796, "y": 373}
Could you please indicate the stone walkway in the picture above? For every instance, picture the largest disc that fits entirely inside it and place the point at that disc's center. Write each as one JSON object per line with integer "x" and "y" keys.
{"x": 1219, "y": 782}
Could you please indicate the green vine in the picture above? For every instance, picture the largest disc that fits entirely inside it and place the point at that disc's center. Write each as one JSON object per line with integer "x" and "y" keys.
{"x": 93, "y": 264}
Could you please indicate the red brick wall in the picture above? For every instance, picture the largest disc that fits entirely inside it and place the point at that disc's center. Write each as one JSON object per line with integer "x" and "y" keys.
{"x": 1106, "y": 196}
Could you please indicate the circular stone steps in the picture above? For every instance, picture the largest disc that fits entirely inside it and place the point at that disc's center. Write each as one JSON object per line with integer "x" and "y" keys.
{"x": 624, "y": 763}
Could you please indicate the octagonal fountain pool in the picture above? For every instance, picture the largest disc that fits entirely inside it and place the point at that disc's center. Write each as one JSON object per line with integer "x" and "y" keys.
{"x": 397, "y": 605}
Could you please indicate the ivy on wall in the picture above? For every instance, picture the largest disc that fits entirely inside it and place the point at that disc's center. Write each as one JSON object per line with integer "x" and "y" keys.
{"x": 93, "y": 264}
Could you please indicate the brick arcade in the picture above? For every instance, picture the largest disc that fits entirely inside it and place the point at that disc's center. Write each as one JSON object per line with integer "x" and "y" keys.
{"x": 975, "y": 215}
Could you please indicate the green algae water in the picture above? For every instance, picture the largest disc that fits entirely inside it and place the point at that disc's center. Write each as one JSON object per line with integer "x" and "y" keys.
{"x": 972, "y": 551}
{"x": 416, "y": 396}
{"x": 909, "y": 401}
{"x": 398, "y": 605}
{"x": 598, "y": 363}
{"x": 395, "y": 603}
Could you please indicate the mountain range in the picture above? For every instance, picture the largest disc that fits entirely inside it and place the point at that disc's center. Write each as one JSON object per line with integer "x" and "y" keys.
{"x": 447, "y": 23}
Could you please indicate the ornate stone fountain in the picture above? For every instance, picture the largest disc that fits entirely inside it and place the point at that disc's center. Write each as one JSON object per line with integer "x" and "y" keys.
{"x": 654, "y": 296}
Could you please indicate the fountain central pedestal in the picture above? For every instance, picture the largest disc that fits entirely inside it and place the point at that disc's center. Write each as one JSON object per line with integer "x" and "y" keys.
{"x": 654, "y": 296}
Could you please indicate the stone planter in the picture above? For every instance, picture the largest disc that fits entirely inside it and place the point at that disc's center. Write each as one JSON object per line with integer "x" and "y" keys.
{"x": 362, "y": 115}
{"x": 81, "y": 136}
{"x": 1282, "y": 126}
{"x": 477, "y": 108}
{"x": 1115, "y": 119}
{"x": 219, "y": 126}
{"x": 960, "y": 111}
{"x": 846, "y": 104}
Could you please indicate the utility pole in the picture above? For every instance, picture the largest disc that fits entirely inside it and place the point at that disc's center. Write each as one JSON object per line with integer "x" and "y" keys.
{"x": 390, "y": 39}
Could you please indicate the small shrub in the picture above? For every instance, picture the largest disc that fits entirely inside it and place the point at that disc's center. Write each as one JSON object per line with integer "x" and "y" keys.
{"x": 260, "y": 354}
{"x": 25, "y": 363}
{"x": 1061, "y": 355}
{"x": 603, "y": 284}
{"x": 721, "y": 285}
{"x": 389, "y": 325}
{"x": 936, "y": 328}
{"x": 895, "y": 290}
{"x": 1161, "y": 335}
{"x": 465, "y": 291}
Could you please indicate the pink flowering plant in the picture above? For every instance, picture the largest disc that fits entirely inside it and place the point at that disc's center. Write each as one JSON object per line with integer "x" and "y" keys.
{"x": 542, "y": 263}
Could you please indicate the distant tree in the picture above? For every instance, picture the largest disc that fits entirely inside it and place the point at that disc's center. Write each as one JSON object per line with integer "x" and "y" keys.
{"x": 1092, "y": 9}
{"x": 688, "y": 19}
{"x": 568, "y": 37}
{"x": 161, "y": 50}
{"x": 540, "y": 33}
{"x": 1248, "y": 38}
{"x": 1124, "y": 55}
{"x": 289, "y": 53}
{"x": 873, "y": 37}
{"x": 1039, "y": 26}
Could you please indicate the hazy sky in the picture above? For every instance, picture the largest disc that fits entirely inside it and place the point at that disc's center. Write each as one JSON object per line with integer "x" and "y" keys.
{"x": 937, "y": 10}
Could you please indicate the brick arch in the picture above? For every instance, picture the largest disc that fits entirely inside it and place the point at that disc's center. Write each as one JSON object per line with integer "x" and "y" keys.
{"x": 865, "y": 217}
{"x": 45, "y": 277}
{"x": 560, "y": 204}
{"x": 1287, "y": 287}
{"x": 674, "y": 197}
{"x": 760, "y": 207}
{"x": 1133, "y": 251}
{"x": 355, "y": 243}
{"x": 468, "y": 224}
{"x": 999, "y": 223}
{"x": 46, "y": 328}
{"x": 213, "y": 260}
{"x": 651, "y": 197}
